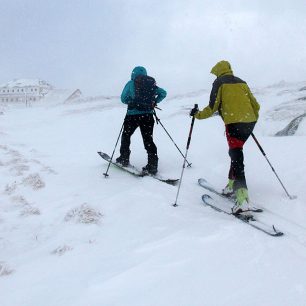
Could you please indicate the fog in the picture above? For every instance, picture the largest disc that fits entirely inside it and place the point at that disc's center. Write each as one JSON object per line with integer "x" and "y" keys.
{"x": 93, "y": 45}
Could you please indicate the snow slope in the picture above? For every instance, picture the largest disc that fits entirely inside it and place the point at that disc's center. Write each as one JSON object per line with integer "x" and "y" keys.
{"x": 68, "y": 236}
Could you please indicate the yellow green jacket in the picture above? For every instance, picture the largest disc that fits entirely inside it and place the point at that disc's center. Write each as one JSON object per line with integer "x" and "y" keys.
{"x": 231, "y": 97}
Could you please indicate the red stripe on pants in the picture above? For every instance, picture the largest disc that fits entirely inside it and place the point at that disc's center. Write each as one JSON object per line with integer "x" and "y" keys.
{"x": 233, "y": 142}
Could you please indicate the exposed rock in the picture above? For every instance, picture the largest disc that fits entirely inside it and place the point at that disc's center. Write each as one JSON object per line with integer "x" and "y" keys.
{"x": 292, "y": 127}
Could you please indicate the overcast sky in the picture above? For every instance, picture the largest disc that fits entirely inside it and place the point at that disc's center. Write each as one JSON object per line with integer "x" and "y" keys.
{"x": 93, "y": 45}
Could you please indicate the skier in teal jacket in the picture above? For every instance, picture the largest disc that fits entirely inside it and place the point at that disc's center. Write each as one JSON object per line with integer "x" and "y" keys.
{"x": 141, "y": 95}
{"x": 128, "y": 93}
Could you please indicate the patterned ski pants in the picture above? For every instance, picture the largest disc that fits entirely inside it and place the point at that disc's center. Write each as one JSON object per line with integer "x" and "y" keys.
{"x": 237, "y": 134}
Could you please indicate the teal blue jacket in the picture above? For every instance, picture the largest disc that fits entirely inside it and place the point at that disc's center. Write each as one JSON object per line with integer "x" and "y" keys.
{"x": 128, "y": 93}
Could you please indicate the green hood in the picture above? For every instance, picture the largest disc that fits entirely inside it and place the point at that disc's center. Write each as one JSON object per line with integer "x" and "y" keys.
{"x": 222, "y": 68}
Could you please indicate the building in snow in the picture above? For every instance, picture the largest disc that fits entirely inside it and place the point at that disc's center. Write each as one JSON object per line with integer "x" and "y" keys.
{"x": 74, "y": 95}
{"x": 24, "y": 90}
{"x": 59, "y": 95}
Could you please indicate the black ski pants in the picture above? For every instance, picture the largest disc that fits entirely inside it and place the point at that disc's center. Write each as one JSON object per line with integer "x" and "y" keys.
{"x": 237, "y": 134}
{"x": 146, "y": 124}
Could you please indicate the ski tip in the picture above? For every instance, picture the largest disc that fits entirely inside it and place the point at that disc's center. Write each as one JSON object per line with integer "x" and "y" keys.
{"x": 277, "y": 233}
{"x": 201, "y": 180}
{"x": 293, "y": 197}
{"x": 172, "y": 182}
{"x": 257, "y": 210}
{"x": 206, "y": 197}
{"x": 103, "y": 155}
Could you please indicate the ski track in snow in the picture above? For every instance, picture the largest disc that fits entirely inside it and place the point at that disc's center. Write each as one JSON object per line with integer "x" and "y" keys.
{"x": 68, "y": 236}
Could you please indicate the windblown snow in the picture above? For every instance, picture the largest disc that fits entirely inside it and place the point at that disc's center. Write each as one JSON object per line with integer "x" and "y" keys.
{"x": 68, "y": 236}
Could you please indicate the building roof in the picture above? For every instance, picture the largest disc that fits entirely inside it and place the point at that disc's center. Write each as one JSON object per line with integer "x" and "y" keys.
{"x": 25, "y": 83}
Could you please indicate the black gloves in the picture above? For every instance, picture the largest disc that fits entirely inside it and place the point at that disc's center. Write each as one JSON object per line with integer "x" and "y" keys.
{"x": 194, "y": 111}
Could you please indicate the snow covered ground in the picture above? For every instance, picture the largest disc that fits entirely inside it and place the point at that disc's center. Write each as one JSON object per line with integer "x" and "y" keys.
{"x": 68, "y": 236}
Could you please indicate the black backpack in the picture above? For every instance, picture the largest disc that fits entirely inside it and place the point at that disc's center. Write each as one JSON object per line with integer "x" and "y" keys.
{"x": 145, "y": 93}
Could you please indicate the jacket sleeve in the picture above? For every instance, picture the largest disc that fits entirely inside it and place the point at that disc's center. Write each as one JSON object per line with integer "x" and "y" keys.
{"x": 160, "y": 94}
{"x": 214, "y": 102}
{"x": 205, "y": 113}
{"x": 254, "y": 103}
{"x": 126, "y": 93}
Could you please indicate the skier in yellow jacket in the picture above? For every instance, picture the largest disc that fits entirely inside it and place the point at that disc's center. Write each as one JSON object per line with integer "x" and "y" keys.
{"x": 232, "y": 98}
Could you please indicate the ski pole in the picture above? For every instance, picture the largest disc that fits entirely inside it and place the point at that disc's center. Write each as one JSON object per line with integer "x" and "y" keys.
{"x": 264, "y": 154}
{"x": 106, "y": 173}
{"x": 158, "y": 121}
{"x": 185, "y": 157}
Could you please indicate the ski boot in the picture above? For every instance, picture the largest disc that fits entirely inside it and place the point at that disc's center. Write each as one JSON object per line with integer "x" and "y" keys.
{"x": 228, "y": 191}
{"x": 124, "y": 162}
{"x": 149, "y": 170}
{"x": 242, "y": 202}
{"x": 151, "y": 167}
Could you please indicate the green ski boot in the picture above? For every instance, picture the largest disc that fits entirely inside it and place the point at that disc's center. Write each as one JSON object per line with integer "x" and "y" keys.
{"x": 228, "y": 191}
{"x": 242, "y": 201}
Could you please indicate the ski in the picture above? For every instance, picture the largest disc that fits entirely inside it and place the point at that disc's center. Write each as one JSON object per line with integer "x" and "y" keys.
{"x": 203, "y": 183}
{"x": 136, "y": 172}
{"x": 246, "y": 218}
